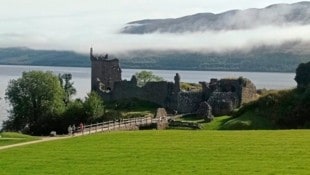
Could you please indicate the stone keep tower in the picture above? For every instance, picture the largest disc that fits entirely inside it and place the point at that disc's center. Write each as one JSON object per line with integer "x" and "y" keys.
{"x": 104, "y": 72}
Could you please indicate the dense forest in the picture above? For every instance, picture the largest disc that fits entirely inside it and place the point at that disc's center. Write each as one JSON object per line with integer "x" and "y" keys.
{"x": 260, "y": 59}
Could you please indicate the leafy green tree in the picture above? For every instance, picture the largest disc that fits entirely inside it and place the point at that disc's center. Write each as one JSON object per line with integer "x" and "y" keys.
{"x": 93, "y": 106}
{"x": 303, "y": 75}
{"x": 146, "y": 76}
{"x": 36, "y": 98}
{"x": 67, "y": 86}
{"x": 74, "y": 114}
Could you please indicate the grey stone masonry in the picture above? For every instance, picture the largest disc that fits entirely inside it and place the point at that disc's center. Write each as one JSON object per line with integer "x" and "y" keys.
{"x": 222, "y": 95}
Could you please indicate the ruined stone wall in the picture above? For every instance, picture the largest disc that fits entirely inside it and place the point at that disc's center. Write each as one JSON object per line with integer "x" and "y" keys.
{"x": 125, "y": 90}
{"x": 156, "y": 92}
{"x": 104, "y": 72}
{"x": 223, "y": 95}
{"x": 188, "y": 102}
{"x": 248, "y": 92}
{"x": 244, "y": 88}
{"x": 223, "y": 102}
{"x": 230, "y": 85}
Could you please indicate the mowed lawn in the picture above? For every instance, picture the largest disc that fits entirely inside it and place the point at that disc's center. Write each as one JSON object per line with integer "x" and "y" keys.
{"x": 9, "y": 138}
{"x": 165, "y": 152}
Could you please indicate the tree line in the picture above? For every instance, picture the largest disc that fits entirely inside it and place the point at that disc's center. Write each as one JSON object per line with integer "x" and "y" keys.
{"x": 42, "y": 102}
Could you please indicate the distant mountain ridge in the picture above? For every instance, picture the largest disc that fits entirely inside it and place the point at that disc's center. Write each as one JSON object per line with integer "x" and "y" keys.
{"x": 283, "y": 58}
{"x": 273, "y": 15}
{"x": 26, "y": 56}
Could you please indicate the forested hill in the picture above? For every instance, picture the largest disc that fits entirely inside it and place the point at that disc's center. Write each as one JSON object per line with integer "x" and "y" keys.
{"x": 26, "y": 56}
{"x": 231, "y": 61}
{"x": 263, "y": 59}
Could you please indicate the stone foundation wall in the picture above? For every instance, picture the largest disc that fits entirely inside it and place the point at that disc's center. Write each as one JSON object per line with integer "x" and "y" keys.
{"x": 188, "y": 102}
{"x": 223, "y": 102}
{"x": 248, "y": 92}
{"x": 157, "y": 92}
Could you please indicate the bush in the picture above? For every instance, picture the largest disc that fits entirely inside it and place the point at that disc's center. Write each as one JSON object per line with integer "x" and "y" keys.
{"x": 303, "y": 75}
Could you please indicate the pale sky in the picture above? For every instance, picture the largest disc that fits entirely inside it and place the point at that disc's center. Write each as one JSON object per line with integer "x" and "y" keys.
{"x": 78, "y": 24}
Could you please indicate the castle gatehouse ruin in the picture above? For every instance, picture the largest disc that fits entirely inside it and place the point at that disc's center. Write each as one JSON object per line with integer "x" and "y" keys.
{"x": 222, "y": 95}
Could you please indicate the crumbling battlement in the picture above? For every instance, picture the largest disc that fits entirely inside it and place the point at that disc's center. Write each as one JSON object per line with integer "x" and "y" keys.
{"x": 222, "y": 95}
{"x": 104, "y": 72}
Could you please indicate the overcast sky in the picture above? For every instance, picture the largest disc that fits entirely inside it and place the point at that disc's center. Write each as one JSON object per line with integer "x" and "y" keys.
{"x": 78, "y": 24}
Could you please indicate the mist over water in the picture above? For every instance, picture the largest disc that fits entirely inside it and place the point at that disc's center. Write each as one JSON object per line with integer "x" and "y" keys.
{"x": 205, "y": 42}
{"x": 78, "y": 29}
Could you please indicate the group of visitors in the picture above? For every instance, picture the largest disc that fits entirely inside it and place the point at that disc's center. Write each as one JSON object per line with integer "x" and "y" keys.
{"x": 72, "y": 129}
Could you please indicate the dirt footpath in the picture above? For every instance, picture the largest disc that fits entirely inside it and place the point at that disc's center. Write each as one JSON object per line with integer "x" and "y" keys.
{"x": 43, "y": 139}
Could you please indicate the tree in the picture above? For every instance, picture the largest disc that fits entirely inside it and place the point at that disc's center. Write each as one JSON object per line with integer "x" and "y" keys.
{"x": 303, "y": 75}
{"x": 146, "y": 76}
{"x": 74, "y": 114}
{"x": 93, "y": 106}
{"x": 67, "y": 86}
{"x": 36, "y": 98}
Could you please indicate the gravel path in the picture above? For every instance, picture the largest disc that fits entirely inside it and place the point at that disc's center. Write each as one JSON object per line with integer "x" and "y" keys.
{"x": 43, "y": 139}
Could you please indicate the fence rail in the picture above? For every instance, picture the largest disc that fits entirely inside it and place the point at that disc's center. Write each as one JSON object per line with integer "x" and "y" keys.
{"x": 116, "y": 124}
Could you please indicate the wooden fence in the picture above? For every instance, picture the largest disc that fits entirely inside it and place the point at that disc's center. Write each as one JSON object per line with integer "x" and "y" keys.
{"x": 116, "y": 125}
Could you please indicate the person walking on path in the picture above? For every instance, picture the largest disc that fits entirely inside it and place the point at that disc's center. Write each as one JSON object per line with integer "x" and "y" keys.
{"x": 73, "y": 129}
{"x": 82, "y": 128}
{"x": 69, "y": 130}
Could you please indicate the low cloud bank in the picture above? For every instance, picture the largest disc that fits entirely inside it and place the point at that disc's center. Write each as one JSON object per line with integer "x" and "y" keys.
{"x": 205, "y": 41}
{"x": 200, "y": 41}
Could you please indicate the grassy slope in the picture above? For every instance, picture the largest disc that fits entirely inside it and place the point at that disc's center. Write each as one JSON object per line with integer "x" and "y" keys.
{"x": 216, "y": 124}
{"x": 248, "y": 121}
{"x": 165, "y": 152}
{"x": 9, "y": 138}
{"x": 286, "y": 109}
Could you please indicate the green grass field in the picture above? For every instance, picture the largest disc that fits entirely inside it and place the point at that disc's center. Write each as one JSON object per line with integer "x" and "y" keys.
{"x": 165, "y": 152}
{"x": 9, "y": 138}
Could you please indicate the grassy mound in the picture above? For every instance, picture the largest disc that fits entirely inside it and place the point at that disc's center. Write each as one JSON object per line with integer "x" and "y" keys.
{"x": 288, "y": 109}
{"x": 165, "y": 152}
{"x": 247, "y": 121}
{"x": 216, "y": 124}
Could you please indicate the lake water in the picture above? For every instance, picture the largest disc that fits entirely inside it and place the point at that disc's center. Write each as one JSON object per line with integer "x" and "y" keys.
{"x": 81, "y": 79}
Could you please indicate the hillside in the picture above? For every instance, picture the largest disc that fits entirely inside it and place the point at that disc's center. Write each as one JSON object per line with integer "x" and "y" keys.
{"x": 26, "y": 56}
{"x": 273, "y": 15}
{"x": 279, "y": 110}
{"x": 264, "y": 58}
{"x": 287, "y": 109}
{"x": 284, "y": 58}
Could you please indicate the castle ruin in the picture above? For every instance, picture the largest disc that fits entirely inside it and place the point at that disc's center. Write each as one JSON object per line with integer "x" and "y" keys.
{"x": 222, "y": 95}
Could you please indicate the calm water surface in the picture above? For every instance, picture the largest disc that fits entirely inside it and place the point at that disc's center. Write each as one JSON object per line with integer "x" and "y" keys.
{"x": 81, "y": 78}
